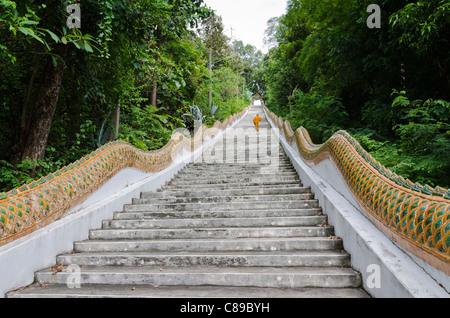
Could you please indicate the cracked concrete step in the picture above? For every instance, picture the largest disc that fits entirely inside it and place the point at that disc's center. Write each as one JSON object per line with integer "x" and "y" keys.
{"x": 216, "y": 214}
{"x": 211, "y": 244}
{"x": 260, "y": 205}
{"x": 202, "y": 233}
{"x": 224, "y": 192}
{"x": 222, "y": 259}
{"x": 184, "y": 292}
{"x": 216, "y": 222}
{"x": 226, "y": 198}
{"x": 296, "y": 277}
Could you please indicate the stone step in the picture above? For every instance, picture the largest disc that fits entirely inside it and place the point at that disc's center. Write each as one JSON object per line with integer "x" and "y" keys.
{"x": 235, "y": 146}
{"x": 266, "y": 161}
{"x": 212, "y": 244}
{"x": 242, "y": 157}
{"x": 221, "y": 163}
{"x": 297, "y": 277}
{"x": 241, "y": 153}
{"x": 219, "y": 172}
{"x": 231, "y": 198}
{"x": 237, "y": 179}
{"x": 208, "y": 259}
{"x": 231, "y": 147}
{"x": 256, "y": 205}
{"x": 216, "y": 222}
{"x": 183, "y": 292}
{"x": 231, "y": 144}
{"x": 240, "y": 186}
{"x": 232, "y": 174}
{"x": 286, "y": 167}
{"x": 240, "y": 168}
{"x": 272, "y": 163}
{"x": 216, "y": 214}
{"x": 240, "y": 164}
{"x": 210, "y": 232}
{"x": 224, "y": 192}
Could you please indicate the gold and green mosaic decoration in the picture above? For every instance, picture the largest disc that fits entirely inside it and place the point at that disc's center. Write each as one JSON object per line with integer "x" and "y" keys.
{"x": 415, "y": 216}
{"x": 35, "y": 205}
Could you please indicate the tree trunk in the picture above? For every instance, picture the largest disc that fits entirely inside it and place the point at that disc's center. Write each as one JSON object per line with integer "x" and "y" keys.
{"x": 116, "y": 123}
{"x": 210, "y": 78}
{"x": 155, "y": 94}
{"x": 18, "y": 147}
{"x": 36, "y": 141}
{"x": 23, "y": 121}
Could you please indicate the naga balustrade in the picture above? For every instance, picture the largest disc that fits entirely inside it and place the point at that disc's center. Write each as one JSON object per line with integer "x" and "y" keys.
{"x": 415, "y": 216}
{"x": 35, "y": 205}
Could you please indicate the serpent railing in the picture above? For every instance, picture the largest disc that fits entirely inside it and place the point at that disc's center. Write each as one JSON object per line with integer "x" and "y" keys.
{"x": 30, "y": 207}
{"x": 415, "y": 216}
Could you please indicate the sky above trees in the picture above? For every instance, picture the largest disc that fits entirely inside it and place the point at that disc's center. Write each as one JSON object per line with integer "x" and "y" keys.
{"x": 248, "y": 18}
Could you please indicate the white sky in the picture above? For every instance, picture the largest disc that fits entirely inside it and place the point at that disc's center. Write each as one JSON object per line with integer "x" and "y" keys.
{"x": 248, "y": 18}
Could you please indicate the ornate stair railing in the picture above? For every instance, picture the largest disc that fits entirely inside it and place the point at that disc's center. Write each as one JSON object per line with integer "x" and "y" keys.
{"x": 35, "y": 205}
{"x": 417, "y": 217}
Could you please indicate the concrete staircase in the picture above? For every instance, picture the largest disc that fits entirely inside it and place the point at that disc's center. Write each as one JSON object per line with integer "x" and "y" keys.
{"x": 216, "y": 230}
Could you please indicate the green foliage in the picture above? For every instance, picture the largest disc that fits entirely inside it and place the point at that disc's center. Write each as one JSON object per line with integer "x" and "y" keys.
{"x": 421, "y": 150}
{"x": 14, "y": 176}
{"x": 124, "y": 51}
{"x": 228, "y": 96}
{"x": 424, "y": 133}
{"x": 422, "y": 23}
{"x": 327, "y": 70}
{"x": 145, "y": 127}
{"x": 321, "y": 115}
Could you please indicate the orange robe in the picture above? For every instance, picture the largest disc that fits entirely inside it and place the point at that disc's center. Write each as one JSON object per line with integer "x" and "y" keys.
{"x": 256, "y": 122}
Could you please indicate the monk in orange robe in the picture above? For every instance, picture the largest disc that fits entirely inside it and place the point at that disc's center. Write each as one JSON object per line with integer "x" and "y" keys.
{"x": 256, "y": 121}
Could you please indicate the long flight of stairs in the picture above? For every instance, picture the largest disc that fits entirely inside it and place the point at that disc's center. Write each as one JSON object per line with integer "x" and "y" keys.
{"x": 216, "y": 230}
